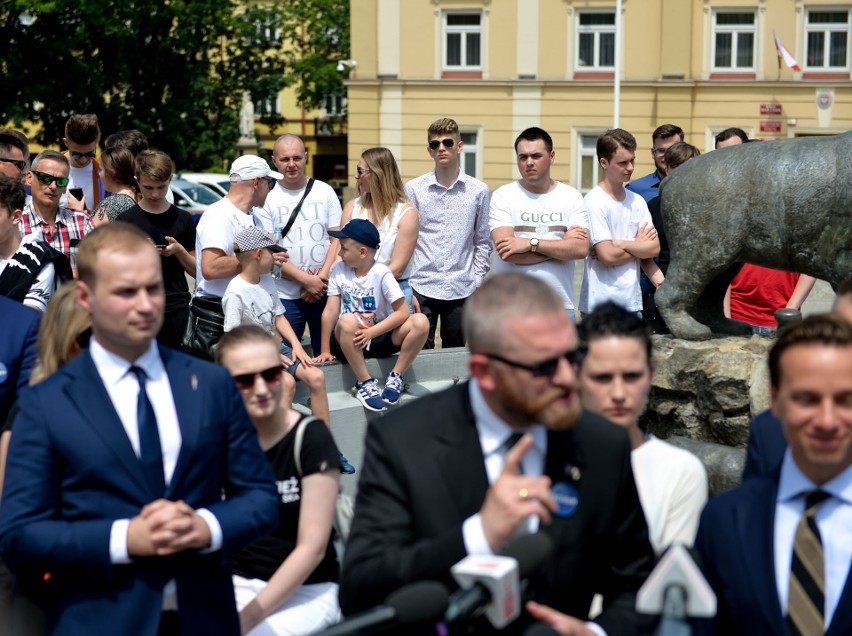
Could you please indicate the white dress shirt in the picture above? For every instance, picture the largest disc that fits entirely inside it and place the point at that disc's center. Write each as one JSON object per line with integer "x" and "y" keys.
{"x": 834, "y": 520}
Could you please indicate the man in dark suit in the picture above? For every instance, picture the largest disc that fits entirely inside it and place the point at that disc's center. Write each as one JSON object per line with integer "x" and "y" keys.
{"x": 777, "y": 550}
{"x": 113, "y": 501}
{"x": 439, "y": 483}
{"x": 18, "y": 333}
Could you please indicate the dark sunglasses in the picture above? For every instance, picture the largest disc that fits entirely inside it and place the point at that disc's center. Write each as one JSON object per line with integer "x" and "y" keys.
{"x": 448, "y": 143}
{"x": 270, "y": 376}
{"x": 47, "y": 179}
{"x": 18, "y": 163}
{"x": 80, "y": 155}
{"x": 545, "y": 369}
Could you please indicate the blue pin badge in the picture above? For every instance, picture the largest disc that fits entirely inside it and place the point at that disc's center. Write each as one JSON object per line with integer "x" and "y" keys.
{"x": 567, "y": 499}
{"x": 4, "y": 373}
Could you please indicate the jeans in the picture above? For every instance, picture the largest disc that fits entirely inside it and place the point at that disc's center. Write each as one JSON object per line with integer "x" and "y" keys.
{"x": 300, "y": 313}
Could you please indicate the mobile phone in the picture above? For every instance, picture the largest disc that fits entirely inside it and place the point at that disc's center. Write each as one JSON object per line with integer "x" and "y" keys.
{"x": 77, "y": 192}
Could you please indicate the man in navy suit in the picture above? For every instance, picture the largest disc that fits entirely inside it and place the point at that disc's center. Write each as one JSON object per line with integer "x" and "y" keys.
{"x": 18, "y": 332}
{"x": 134, "y": 471}
{"x": 747, "y": 536}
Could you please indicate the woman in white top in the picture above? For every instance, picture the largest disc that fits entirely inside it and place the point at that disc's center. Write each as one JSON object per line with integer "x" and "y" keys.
{"x": 382, "y": 201}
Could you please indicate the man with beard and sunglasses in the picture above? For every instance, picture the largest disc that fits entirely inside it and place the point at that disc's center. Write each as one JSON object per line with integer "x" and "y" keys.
{"x": 442, "y": 480}
{"x": 62, "y": 228}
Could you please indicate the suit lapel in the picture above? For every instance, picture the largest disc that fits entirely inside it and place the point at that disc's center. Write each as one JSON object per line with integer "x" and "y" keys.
{"x": 754, "y": 526}
{"x": 186, "y": 392}
{"x": 841, "y": 622}
{"x": 459, "y": 454}
{"x": 86, "y": 391}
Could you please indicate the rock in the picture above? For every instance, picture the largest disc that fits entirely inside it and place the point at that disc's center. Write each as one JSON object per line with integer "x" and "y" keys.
{"x": 724, "y": 465}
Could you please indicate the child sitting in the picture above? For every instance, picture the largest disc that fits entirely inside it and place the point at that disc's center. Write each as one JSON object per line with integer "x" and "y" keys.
{"x": 251, "y": 298}
{"x": 366, "y": 315}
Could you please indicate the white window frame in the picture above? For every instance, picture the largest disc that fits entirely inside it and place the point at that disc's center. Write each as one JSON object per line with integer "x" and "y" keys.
{"x": 584, "y": 151}
{"x": 471, "y": 149}
{"x": 596, "y": 31}
{"x": 273, "y": 102}
{"x": 827, "y": 29}
{"x": 463, "y": 31}
{"x": 735, "y": 30}
{"x": 338, "y": 105}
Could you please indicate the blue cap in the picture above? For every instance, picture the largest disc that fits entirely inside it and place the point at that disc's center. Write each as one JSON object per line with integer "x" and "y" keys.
{"x": 360, "y": 230}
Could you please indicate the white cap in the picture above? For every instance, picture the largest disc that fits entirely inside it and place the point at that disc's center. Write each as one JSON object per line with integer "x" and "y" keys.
{"x": 248, "y": 167}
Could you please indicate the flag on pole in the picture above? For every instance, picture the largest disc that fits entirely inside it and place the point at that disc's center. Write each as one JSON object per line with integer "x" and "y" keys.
{"x": 789, "y": 60}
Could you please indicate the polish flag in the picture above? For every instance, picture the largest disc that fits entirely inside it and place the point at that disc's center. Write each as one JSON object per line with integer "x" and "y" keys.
{"x": 789, "y": 60}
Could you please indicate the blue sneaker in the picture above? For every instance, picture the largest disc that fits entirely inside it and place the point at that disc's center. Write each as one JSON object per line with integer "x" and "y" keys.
{"x": 367, "y": 393}
{"x": 393, "y": 387}
{"x": 345, "y": 467}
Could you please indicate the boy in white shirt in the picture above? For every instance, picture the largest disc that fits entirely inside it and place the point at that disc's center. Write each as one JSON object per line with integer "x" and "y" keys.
{"x": 251, "y": 298}
{"x": 621, "y": 231}
{"x": 367, "y": 316}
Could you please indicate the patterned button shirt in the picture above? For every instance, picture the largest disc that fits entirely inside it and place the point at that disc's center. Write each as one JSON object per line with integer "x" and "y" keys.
{"x": 65, "y": 236}
{"x": 453, "y": 250}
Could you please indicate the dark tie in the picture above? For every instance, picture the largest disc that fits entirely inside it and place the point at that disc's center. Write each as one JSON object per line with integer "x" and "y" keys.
{"x": 807, "y": 574}
{"x": 151, "y": 454}
{"x": 509, "y": 443}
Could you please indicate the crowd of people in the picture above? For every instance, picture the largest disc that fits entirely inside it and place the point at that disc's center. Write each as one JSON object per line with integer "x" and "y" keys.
{"x": 148, "y": 491}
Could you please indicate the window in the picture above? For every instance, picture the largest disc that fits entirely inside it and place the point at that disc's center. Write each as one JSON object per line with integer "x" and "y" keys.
{"x": 827, "y": 40}
{"x": 470, "y": 154}
{"x": 587, "y": 161}
{"x": 267, "y": 107}
{"x": 334, "y": 105}
{"x": 733, "y": 41}
{"x": 595, "y": 40}
{"x": 462, "y": 41}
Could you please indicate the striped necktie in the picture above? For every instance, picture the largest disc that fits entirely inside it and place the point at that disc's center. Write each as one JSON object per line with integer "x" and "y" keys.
{"x": 806, "y": 615}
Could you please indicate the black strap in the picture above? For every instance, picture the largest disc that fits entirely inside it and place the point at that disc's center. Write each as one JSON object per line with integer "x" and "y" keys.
{"x": 297, "y": 209}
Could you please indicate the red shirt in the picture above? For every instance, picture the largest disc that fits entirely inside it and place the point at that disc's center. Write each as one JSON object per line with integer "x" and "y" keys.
{"x": 757, "y": 293}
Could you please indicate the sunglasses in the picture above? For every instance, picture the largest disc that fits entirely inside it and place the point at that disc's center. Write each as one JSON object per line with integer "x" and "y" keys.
{"x": 47, "y": 179}
{"x": 359, "y": 170}
{"x": 271, "y": 375}
{"x": 448, "y": 143}
{"x": 81, "y": 155}
{"x": 548, "y": 368}
{"x": 18, "y": 163}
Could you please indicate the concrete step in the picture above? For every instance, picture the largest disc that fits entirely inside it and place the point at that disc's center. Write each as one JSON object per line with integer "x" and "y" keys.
{"x": 432, "y": 371}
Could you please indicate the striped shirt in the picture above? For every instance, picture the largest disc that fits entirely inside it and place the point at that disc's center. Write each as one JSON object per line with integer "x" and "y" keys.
{"x": 453, "y": 250}
{"x": 64, "y": 236}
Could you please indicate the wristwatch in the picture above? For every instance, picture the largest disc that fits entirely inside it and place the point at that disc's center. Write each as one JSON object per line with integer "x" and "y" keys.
{"x": 533, "y": 244}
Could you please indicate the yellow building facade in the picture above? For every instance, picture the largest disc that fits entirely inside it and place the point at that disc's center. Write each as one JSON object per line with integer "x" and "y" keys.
{"x": 499, "y": 66}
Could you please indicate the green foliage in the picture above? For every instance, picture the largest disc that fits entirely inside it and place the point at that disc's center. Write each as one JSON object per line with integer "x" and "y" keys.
{"x": 174, "y": 69}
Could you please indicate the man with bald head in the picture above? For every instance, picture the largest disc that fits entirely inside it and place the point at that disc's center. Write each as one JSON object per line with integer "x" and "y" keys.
{"x": 303, "y": 281}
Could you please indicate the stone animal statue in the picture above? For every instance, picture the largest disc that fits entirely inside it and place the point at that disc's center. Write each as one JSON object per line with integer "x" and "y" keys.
{"x": 782, "y": 204}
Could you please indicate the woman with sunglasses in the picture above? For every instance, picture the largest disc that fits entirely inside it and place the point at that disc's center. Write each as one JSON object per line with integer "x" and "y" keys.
{"x": 285, "y": 583}
{"x": 118, "y": 173}
{"x": 382, "y": 201}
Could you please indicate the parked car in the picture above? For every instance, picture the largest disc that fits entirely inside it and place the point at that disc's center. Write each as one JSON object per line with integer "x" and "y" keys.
{"x": 192, "y": 197}
{"x": 219, "y": 183}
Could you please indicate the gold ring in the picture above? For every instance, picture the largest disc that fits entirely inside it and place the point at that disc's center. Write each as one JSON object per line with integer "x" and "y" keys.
{"x": 524, "y": 493}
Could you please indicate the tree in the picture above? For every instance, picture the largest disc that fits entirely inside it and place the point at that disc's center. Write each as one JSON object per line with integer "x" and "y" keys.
{"x": 176, "y": 69}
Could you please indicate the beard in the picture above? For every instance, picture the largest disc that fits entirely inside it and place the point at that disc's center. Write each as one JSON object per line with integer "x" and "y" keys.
{"x": 546, "y": 407}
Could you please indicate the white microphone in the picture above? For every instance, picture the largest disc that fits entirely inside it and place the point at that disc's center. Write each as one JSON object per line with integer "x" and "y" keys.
{"x": 492, "y": 584}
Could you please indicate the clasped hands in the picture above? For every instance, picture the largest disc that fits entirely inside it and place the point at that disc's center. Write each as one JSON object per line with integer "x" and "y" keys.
{"x": 166, "y": 527}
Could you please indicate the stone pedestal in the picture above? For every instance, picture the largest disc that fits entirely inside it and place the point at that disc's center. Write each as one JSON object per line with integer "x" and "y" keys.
{"x": 247, "y": 146}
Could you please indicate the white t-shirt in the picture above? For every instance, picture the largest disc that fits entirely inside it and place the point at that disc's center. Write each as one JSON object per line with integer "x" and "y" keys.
{"x": 245, "y": 303}
{"x": 371, "y": 297}
{"x": 546, "y": 217}
{"x": 608, "y": 220}
{"x": 218, "y": 227}
{"x": 307, "y": 241}
{"x": 672, "y": 485}
{"x": 82, "y": 178}
{"x": 388, "y": 231}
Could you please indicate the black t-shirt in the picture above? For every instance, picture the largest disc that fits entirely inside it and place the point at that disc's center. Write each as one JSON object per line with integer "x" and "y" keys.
{"x": 178, "y": 224}
{"x": 262, "y": 558}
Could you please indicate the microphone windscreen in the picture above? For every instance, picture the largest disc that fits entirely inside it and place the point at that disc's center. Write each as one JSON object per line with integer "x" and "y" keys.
{"x": 423, "y": 601}
{"x": 540, "y": 629}
{"x": 530, "y": 551}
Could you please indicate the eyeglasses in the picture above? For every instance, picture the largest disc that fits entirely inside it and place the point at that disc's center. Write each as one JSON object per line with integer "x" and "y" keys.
{"x": 659, "y": 151}
{"x": 270, "y": 183}
{"x": 547, "y": 368}
{"x": 47, "y": 179}
{"x": 271, "y": 375}
{"x": 448, "y": 143}
{"x": 82, "y": 155}
{"x": 359, "y": 170}
{"x": 18, "y": 163}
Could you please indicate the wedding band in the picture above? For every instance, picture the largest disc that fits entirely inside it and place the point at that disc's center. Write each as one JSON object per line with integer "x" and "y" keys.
{"x": 524, "y": 493}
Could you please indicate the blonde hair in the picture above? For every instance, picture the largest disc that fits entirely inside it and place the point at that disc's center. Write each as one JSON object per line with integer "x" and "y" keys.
{"x": 62, "y": 325}
{"x": 386, "y": 189}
